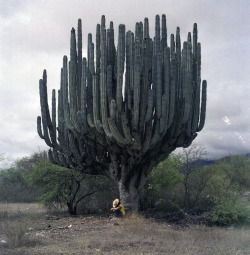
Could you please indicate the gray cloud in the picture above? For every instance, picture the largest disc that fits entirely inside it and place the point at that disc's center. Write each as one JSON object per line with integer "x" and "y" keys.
{"x": 35, "y": 36}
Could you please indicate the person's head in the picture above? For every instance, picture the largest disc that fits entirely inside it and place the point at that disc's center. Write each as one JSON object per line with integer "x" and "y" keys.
{"x": 116, "y": 202}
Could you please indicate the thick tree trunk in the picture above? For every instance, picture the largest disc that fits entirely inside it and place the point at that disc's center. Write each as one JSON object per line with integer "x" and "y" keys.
{"x": 129, "y": 197}
{"x": 71, "y": 208}
{"x": 130, "y": 179}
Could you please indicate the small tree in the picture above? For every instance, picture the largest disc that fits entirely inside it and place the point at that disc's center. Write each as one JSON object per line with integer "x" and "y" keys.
{"x": 195, "y": 177}
{"x": 65, "y": 187}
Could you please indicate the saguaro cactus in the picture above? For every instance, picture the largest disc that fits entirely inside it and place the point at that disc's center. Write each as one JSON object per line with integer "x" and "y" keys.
{"x": 123, "y": 109}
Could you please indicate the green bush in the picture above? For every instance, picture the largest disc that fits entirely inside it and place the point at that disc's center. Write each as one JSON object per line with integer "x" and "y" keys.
{"x": 196, "y": 190}
{"x": 15, "y": 188}
{"x": 229, "y": 209}
{"x": 162, "y": 186}
{"x": 216, "y": 189}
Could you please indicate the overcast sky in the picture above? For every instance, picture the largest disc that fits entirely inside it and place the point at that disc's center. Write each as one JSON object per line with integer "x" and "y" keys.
{"x": 34, "y": 35}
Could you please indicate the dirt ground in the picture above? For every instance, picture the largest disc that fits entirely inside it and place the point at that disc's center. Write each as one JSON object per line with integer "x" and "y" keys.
{"x": 28, "y": 229}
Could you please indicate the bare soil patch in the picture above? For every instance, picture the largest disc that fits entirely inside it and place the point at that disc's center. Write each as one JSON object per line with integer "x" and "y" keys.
{"x": 51, "y": 234}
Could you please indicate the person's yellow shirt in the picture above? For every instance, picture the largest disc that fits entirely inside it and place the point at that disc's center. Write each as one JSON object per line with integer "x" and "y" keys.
{"x": 122, "y": 209}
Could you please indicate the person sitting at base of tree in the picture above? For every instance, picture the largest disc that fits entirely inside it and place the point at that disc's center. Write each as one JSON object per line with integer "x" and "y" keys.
{"x": 118, "y": 208}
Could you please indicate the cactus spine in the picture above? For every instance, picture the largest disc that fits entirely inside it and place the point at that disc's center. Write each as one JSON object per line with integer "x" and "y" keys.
{"x": 121, "y": 111}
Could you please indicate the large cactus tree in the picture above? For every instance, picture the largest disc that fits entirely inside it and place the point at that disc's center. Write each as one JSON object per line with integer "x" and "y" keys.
{"x": 123, "y": 109}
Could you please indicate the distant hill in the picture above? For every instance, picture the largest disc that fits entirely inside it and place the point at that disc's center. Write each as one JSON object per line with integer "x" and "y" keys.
{"x": 203, "y": 162}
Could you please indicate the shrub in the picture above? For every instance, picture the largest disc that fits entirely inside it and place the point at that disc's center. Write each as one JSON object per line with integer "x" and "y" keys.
{"x": 229, "y": 209}
{"x": 15, "y": 188}
{"x": 64, "y": 187}
{"x": 162, "y": 186}
{"x": 216, "y": 189}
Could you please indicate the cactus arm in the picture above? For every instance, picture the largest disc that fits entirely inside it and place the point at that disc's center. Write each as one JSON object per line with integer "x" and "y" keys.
{"x": 147, "y": 136}
{"x": 195, "y": 49}
{"x": 105, "y": 79}
{"x": 158, "y": 68}
{"x": 49, "y": 123}
{"x": 125, "y": 127}
{"x": 98, "y": 49}
{"x": 39, "y": 127}
{"x": 51, "y": 158}
{"x": 104, "y": 110}
{"x": 163, "y": 120}
{"x": 79, "y": 62}
{"x": 149, "y": 106}
{"x": 44, "y": 113}
{"x": 56, "y": 158}
{"x": 90, "y": 120}
{"x": 172, "y": 46}
{"x": 66, "y": 104}
{"x": 137, "y": 143}
{"x": 82, "y": 114}
{"x": 164, "y": 32}
{"x": 96, "y": 105}
{"x": 166, "y": 70}
{"x": 54, "y": 114}
{"x": 178, "y": 62}
{"x": 172, "y": 99}
{"x": 60, "y": 118}
{"x": 196, "y": 82}
{"x": 104, "y": 100}
{"x": 166, "y": 83}
{"x": 127, "y": 75}
{"x": 73, "y": 86}
{"x": 158, "y": 86}
{"x": 186, "y": 83}
{"x": 203, "y": 106}
{"x": 73, "y": 146}
{"x": 145, "y": 73}
{"x": 109, "y": 82}
{"x": 157, "y": 35}
{"x": 116, "y": 133}
{"x": 63, "y": 160}
{"x": 89, "y": 76}
{"x": 112, "y": 107}
{"x": 136, "y": 97}
{"x": 130, "y": 68}
{"x": 156, "y": 133}
{"x": 120, "y": 67}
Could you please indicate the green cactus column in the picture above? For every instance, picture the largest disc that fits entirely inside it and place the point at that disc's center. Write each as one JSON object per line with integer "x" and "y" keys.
{"x": 121, "y": 110}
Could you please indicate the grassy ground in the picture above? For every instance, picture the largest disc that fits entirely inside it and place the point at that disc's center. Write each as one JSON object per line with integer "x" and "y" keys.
{"x": 28, "y": 229}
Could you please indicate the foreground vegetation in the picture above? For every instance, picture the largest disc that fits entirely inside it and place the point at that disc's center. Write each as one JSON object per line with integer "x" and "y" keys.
{"x": 186, "y": 207}
{"x": 29, "y": 229}
{"x": 189, "y": 184}
{"x": 181, "y": 188}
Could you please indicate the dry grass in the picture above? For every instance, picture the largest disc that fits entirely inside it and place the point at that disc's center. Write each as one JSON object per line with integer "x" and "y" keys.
{"x": 13, "y": 208}
{"x": 130, "y": 235}
{"x": 137, "y": 235}
{"x": 15, "y": 221}
{"x": 15, "y": 233}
